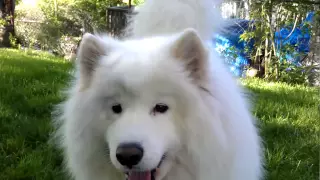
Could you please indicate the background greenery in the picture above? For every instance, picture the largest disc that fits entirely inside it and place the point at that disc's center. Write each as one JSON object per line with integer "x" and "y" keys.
{"x": 57, "y": 25}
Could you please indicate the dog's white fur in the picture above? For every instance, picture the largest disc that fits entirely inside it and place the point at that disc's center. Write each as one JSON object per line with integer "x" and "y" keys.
{"x": 207, "y": 133}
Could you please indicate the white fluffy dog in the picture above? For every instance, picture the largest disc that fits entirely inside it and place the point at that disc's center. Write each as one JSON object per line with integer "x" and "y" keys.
{"x": 160, "y": 104}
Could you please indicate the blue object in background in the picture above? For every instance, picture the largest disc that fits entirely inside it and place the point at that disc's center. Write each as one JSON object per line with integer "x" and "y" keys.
{"x": 299, "y": 38}
{"x": 229, "y": 42}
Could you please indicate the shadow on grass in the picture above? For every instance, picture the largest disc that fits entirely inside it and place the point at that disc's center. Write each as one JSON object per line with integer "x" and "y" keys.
{"x": 290, "y": 152}
{"x": 289, "y": 125}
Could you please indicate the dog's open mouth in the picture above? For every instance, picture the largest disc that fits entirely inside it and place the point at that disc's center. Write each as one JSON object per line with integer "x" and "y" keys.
{"x": 144, "y": 175}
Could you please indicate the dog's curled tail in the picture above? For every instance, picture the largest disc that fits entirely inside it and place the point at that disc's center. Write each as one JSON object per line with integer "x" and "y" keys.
{"x": 161, "y": 17}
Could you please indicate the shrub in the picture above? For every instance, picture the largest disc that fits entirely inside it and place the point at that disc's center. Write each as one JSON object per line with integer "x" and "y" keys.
{"x": 294, "y": 74}
{"x": 28, "y": 23}
{"x": 68, "y": 44}
{"x": 40, "y": 27}
{"x": 49, "y": 25}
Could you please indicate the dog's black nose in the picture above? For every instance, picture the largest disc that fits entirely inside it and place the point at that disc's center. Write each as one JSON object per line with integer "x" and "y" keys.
{"x": 129, "y": 154}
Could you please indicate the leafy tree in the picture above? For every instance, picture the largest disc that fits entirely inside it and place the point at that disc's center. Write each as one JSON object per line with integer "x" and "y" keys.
{"x": 93, "y": 12}
{"x": 268, "y": 17}
{"x": 61, "y": 20}
{"x": 138, "y": 2}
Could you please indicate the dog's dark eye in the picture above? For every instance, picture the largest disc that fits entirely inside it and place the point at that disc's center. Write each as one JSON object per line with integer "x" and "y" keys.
{"x": 160, "y": 108}
{"x": 117, "y": 108}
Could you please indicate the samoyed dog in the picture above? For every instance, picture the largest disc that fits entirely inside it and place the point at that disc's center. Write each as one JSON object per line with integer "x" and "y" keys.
{"x": 160, "y": 104}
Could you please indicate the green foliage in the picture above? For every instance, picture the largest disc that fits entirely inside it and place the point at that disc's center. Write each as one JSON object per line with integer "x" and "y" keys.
{"x": 68, "y": 44}
{"x": 138, "y": 2}
{"x": 229, "y": 54}
{"x": 93, "y": 12}
{"x": 48, "y": 24}
{"x": 28, "y": 25}
{"x": 13, "y": 41}
{"x": 45, "y": 25}
{"x": 3, "y": 22}
{"x": 294, "y": 74}
{"x": 269, "y": 17}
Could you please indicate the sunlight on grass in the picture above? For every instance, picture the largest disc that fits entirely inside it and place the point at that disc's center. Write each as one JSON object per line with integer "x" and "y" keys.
{"x": 30, "y": 82}
{"x": 289, "y": 122}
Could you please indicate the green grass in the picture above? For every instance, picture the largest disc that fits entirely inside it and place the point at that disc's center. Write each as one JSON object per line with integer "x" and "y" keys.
{"x": 30, "y": 82}
{"x": 290, "y": 126}
{"x": 29, "y": 86}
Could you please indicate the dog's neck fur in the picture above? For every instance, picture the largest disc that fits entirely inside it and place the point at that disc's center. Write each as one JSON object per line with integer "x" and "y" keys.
{"x": 183, "y": 168}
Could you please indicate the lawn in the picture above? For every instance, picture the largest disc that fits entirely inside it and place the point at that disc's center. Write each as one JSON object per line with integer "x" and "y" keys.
{"x": 29, "y": 88}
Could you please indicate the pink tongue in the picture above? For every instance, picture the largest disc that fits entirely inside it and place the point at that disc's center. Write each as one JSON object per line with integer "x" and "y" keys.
{"x": 139, "y": 175}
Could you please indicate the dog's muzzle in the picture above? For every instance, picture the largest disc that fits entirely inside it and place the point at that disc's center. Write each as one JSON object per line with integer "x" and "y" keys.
{"x": 129, "y": 155}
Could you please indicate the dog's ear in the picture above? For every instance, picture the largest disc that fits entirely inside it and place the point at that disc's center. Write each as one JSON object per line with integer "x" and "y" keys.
{"x": 91, "y": 49}
{"x": 189, "y": 48}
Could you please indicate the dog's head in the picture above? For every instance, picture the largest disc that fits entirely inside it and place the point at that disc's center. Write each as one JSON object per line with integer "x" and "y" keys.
{"x": 144, "y": 89}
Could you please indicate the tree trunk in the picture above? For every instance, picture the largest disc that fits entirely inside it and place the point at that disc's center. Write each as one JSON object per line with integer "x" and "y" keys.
{"x": 266, "y": 59}
{"x": 314, "y": 55}
{"x": 6, "y": 13}
{"x": 55, "y": 8}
